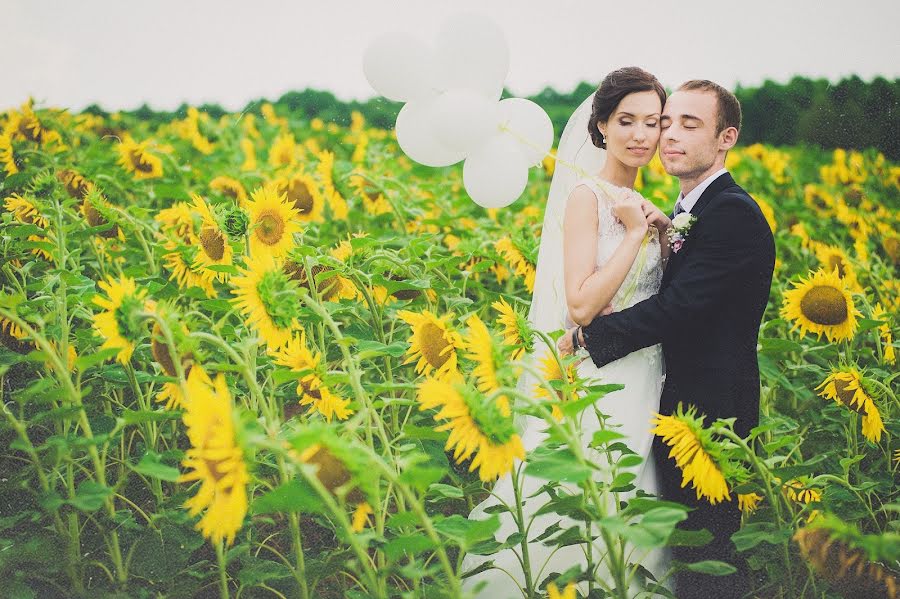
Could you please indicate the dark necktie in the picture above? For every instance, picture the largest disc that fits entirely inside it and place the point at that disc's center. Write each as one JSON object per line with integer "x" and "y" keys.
{"x": 678, "y": 209}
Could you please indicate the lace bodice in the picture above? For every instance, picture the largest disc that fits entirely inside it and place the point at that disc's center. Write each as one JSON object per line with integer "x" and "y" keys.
{"x": 645, "y": 276}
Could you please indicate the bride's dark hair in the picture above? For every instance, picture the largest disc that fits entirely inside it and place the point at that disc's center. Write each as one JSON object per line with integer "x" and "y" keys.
{"x": 613, "y": 88}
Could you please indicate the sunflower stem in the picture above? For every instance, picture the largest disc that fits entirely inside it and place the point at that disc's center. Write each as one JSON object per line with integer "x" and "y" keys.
{"x": 223, "y": 574}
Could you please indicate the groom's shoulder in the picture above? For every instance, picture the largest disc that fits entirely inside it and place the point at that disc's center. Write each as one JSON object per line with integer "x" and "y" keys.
{"x": 735, "y": 202}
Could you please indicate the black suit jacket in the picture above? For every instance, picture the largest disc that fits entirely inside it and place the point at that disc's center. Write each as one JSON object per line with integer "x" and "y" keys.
{"x": 707, "y": 312}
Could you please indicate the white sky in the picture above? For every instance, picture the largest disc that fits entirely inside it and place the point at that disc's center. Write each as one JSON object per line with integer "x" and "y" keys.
{"x": 121, "y": 53}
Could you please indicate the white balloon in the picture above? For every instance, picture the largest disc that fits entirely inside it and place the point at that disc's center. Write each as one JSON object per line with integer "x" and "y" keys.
{"x": 495, "y": 175}
{"x": 463, "y": 119}
{"x": 416, "y": 139}
{"x": 471, "y": 52}
{"x": 527, "y": 121}
{"x": 400, "y": 67}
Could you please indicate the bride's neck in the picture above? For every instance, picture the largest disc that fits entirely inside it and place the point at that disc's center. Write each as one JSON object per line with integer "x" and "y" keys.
{"x": 618, "y": 173}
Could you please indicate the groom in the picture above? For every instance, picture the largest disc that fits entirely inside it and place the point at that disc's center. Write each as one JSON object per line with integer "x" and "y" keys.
{"x": 707, "y": 312}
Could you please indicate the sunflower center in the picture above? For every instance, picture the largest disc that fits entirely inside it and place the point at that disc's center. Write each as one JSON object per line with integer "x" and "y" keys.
{"x": 819, "y": 202}
{"x": 270, "y": 227}
{"x": 488, "y": 417}
{"x": 213, "y": 243}
{"x": 846, "y": 395}
{"x": 278, "y": 295}
{"x": 139, "y": 162}
{"x": 128, "y": 318}
{"x": 230, "y": 190}
{"x": 432, "y": 342}
{"x": 160, "y": 351}
{"x": 824, "y": 305}
{"x": 298, "y": 192}
{"x": 309, "y": 389}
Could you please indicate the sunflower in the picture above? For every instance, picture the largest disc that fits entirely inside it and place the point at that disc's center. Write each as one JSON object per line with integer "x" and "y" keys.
{"x": 849, "y": 570}
{"x": 325, "y": 170}
{"x": 798, "y": 492}
{"x": 303, "y": 194}
{"x": 336, "y": 471}
{"x": 268, "y": 299}
{"x": 177, "y": 222}
{"x": 817, "y": 198}
{"x": 683, "y": 432}
{"x": 7, "y": 156}
{"x": 179, "y": 259}
{"x": 273, "y": 222}
{"x": 476, "y": 426}
{"x": 551, "y": 371}
{"x": 569, "y": 592}
{"x": 891, "y": 245}
{"x": 433, "y": 343}
{"x": 799, "y": 230}
{"x": 91, "y": 209}
{"x": 372, "y": 198}
{"x": 24, "y": 211}
{"x": 214, "y": 458}
{"x": 25, "y": 125}
{"x": 748, "y": 502}
{"x": 135, "y": 159}
{"x": 332, "y": 287}
{"x": 249, "y": 151}
{"x": 170, "y": 394}
{"x": 846, "y": 388}
{"x": 482, "y": 350}
{"x": 821, "y": 304}
{"x": 767, "y": 211}
{"x": 506, "y": 248}
{"x": 834, "y": 258}
{"x": 312, "y": 391}
{"x": 230, "y": 188}
{"x": 13, "y": 337}
{"x": 283, "y": 151}
{"x": 213, "y": 249}
{"x": 76, "y": 185}
{"x": 884, "y": 331}
{"x": 121, "y": 324}
{"x": 516, "y": 331}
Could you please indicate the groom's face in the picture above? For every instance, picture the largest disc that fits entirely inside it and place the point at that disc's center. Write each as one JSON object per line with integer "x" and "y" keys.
{"x": 689, "y": 143}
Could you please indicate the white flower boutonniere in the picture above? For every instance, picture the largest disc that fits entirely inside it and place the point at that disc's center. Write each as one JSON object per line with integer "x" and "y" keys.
{"x": 678, "y": 233}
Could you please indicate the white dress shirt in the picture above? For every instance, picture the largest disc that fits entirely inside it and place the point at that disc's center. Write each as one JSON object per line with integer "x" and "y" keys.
{"x": 688, "y": 202}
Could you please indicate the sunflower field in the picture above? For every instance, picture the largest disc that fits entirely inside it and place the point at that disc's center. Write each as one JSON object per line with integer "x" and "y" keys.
{"x": 266, "y": 356}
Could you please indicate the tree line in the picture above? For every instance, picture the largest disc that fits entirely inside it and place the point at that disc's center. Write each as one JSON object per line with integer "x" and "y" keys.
{"x": 849, "y": 114}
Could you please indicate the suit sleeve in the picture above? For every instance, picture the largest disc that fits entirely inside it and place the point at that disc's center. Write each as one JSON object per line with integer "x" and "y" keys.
{"x": 727, "y": 244}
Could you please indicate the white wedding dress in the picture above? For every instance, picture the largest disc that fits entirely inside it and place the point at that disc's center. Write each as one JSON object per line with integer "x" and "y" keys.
{"x": 629, "y": 411}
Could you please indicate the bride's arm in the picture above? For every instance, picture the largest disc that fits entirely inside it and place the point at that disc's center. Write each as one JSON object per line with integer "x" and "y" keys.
{"x": 589, "y": 290}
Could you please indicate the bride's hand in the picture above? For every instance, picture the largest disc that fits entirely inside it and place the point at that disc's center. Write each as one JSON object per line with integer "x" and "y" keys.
{"x": 631, "y": 214}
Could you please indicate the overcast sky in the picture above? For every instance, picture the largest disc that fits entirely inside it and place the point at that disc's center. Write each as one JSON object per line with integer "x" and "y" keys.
{"x": 121, "y": 53}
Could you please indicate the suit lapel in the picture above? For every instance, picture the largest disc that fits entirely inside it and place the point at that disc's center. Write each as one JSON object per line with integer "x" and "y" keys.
{"x": 720, "y": 184}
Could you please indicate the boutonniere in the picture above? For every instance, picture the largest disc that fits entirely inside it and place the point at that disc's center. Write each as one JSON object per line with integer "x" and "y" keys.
{"x": 678, "y": 232}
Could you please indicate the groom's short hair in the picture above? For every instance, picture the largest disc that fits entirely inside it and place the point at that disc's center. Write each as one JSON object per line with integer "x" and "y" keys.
{"x": 729, "y": 113}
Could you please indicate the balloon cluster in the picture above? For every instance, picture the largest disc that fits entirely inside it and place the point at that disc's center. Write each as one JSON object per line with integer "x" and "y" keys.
{"x": 453, "y": 111}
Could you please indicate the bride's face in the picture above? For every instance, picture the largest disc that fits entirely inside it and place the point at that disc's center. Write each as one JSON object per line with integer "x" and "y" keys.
{"x": 632, "y": 131}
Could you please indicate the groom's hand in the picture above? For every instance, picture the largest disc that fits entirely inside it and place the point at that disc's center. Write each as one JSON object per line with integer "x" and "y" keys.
{"x": 564, "y": 343}
{"x": 655, "y": 217}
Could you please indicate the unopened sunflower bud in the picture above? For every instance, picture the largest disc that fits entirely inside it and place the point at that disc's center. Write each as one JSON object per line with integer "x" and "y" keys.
{"x": 234, "y": 221}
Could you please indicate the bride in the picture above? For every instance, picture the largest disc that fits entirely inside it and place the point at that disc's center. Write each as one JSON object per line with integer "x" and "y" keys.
{"x": 603, "y": 248}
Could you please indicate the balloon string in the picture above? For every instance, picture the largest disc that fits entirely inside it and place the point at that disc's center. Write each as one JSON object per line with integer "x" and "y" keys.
{"x": 642, "y": 258}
